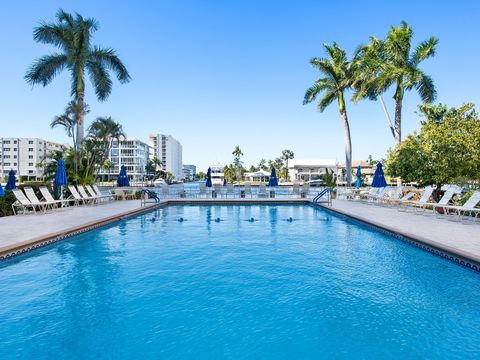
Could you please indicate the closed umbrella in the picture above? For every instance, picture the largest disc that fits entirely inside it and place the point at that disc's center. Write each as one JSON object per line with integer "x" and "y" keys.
{"x": 11, "y": 181}
{"x": 358, "y": 183}
{"x": 2, "y": 192}
{"x": 122, "y": 180}
{"x": 379, "y": 177}
{"x": 208, "y": 183}
{"x": 60, "y": 176}
{"x": 273, "y": 181}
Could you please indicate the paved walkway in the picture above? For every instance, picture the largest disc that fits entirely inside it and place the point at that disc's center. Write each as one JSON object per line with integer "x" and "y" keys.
{"x": 451, "y": 236}
{"x": 24, "y": 228}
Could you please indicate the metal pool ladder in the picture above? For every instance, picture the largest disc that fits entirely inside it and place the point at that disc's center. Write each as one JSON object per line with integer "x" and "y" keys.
{"x": 146, "y": 194}
{"x": 318, "y": 198}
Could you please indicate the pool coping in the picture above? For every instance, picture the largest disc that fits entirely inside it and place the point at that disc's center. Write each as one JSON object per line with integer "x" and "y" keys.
{"x": 456, "y": 255}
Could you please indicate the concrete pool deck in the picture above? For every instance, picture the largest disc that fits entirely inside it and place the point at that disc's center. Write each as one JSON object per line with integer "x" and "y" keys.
{"x": 19, "y": 234}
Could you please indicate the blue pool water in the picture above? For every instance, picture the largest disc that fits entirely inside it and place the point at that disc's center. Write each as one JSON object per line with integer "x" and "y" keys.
{"x": 315, "y": 287}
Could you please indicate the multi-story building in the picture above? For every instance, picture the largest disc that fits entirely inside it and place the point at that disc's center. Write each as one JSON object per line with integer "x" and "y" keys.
{"x": 169, "y": 151}
{"x": 189, "y": 172}
{"x": 24, "y": 154}
{"x": 132, "y": 153}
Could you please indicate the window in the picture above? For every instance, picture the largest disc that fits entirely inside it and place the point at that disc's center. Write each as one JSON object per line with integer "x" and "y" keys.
{"x": 14, "y": 156}
{"x": 6, "y": 164}
{"x": 6, "y": 141}
{"x": 30, "y": 156}
{"x": 30, "y": 141}
{"x": 31, "y": 171}
{"x": 30, "y": 149}
{"x": 7, "y": 156}
{"x": 15, "y": 149}
{"x": 14, "y": 141}
{"x": 6, "y": 149}
{"x": 14, "y": 164}
{"x": 30, "y": 164}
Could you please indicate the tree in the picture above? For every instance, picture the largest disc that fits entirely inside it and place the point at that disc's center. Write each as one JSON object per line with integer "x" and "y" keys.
{"x": 229, "y": 173}
{"x": 329, "y": 179}
{"x": 201, "y": 175}
{"x": 72, "y": 35}
{"x": 263, "y": 165}
{"x": 337, "y": 77}
{"x": 287, "y": 155}
{"x": 237, "y": 154}
{"x": 105, "y": 130}
{"x": 445, "y": 150}
{"x": 390, "y": 62}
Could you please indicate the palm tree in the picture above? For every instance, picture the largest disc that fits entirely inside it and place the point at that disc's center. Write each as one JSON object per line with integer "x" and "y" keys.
{"x": 103, "y": 131}
{"x": 391, "y": 62}
{"x": 262, "y": 164}
{"x": 287, "y": 155}
{"x": 68, "y": 120}
{"x": 337, "y": 77}
{"x": 72, "y": 35}
{"x": 237, "y": 153}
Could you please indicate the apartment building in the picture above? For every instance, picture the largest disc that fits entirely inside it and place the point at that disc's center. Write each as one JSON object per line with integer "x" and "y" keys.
{"x": 189, "y": 172}
{"x": 169, "y": 151}
{"x": 132, "y": 153}
{"x": 23, "y": 154}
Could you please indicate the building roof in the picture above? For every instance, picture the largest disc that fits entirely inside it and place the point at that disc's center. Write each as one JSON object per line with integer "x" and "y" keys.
{"x": 260, "y": 173}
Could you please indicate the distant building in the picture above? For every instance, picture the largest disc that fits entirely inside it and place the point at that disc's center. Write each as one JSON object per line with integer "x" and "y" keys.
{"x": 169, "y": 151}
{"x": 189, "y": 172}
{"x": 310, "y": 169}
{"x": 258, "y": 176}
{"x": 132, "y": 153}
{"x": 23, "y": 154}
{"x": 367, "y": 171}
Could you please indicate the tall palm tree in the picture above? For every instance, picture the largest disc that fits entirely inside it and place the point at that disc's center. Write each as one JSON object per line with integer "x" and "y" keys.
{"x": 103, "y": 131}
{"x": 72, "y": 35}
{"x": 391, "y": 62}
{"x": 237, "y": 153}
{"x": 287, "y": 155}
{"x": 337, "y": 74}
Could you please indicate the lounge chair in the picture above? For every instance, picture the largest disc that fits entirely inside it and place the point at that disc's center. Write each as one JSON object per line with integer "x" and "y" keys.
{"x": 305, "y": 190}
{"x": 97, "y": 190}
{"x": 100, "y": 197}
{"x": 202, "y": 189}
{"x": 76, "y": 197}
{"x": 248, "y": 190}
{"x": 295, "y": 190}
{"x": 218, "y": 190}
{"x": 407, "y": 197}
{"x": 48, "y": 197}
{"x": 230, "y": 190}
{"x": 375, "y": 195}
{"x": 181, "y": 190}
{"x": 22, "y": 202}
{"x": 41, "y": 205}
{"x": 466, "y": 209}
{"x": 404, "y": 205}
{"x": 86, "y": 196}
{"x": 262, "y": 191}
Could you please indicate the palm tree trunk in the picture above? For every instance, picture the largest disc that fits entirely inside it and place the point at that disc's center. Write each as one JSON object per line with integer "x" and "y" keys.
{"x": 81, "y": 118}
{"x": 348, "y": 146}
{"x": 398, "y": 120}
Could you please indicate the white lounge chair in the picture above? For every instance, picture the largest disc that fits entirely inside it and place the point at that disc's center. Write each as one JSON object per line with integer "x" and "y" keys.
{"x": 218, "y": 190}
{"x": 305, "y": 190}
{"x": 93, "y": 193}
{"x": 22, "y": 202}
{"x": 468, "y": 209}
{"x": 86, "y": 196}
{"x": 48, "y": 197}
{"x": 445, "y": 199}
{"x": 262, "y": 191}
{"x": 407, "y": 197}
{"x": 109, "y": 196}
{"x": 76, "y": 197}
{"x": 41, "y": 205}
{"x": 376, "y": 195}
{"x": 295, "y": 190}
{"x": 410, "y": 204}
{"x": 202, "y": 189}
{"x": 230, "y": 190}
{"x": 248, "y": 190}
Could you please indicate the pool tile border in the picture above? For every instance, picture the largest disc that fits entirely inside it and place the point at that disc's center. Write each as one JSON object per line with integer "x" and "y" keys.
{"x": 423, "y": 244}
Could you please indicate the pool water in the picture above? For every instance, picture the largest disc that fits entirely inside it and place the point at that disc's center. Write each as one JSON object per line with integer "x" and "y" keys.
{"x": 296, "y": 282}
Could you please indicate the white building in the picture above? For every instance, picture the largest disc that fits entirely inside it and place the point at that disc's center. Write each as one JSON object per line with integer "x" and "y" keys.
{"x": 258, "y": 176}
{"x": 310, "y": 169}
{"x": 189, "y": 172}
{"x": 23, "y": 154}
{"x": 132, "y": 153}
{"x": 169, "y": 151}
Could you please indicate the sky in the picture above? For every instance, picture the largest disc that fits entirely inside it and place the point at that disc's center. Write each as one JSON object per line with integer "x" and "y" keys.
{"x": 216, "y": 74}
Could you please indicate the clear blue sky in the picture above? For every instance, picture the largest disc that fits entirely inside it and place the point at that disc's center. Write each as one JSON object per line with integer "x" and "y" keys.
{"x": 215, "y": 74}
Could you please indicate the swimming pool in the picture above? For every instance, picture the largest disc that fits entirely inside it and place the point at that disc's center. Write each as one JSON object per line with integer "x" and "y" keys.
{"x": 296, "y": 282}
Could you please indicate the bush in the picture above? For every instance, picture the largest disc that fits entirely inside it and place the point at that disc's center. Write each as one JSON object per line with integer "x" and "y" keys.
{"x": 6, "y": 203}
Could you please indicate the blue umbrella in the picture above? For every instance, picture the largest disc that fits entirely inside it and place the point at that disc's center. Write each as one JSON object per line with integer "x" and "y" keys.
{"x": 378, "y": 177}
{"x": 209, "y": 178}
{"x": 2, "y": 192}
{"x": 358, "y": 183}
{"x": 273, "y": 181}
{"x": 123, "y": 177}
{"x": 61, "y": 175}
{"x": 11, "y": 181}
